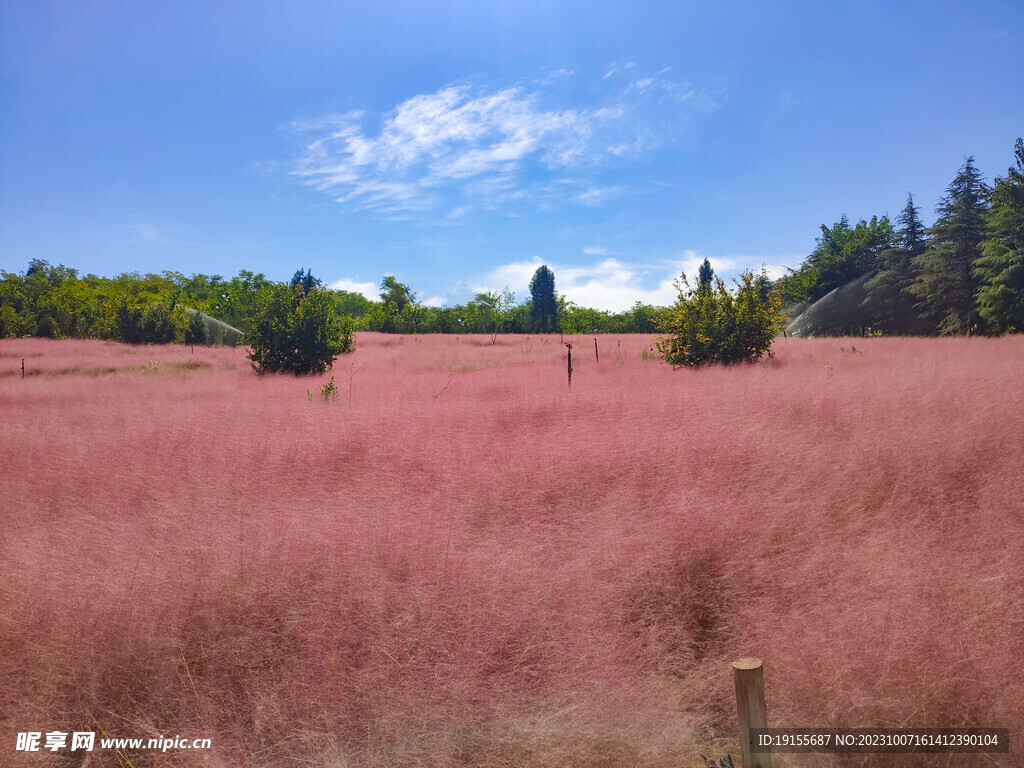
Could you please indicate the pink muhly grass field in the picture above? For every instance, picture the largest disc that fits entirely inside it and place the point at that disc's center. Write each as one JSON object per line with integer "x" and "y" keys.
{"x": 461, "y": 561}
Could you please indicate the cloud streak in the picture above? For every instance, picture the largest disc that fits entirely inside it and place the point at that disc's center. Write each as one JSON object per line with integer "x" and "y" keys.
{"x": 613, "y": 284}
{"x": 369, "y": 290}
{"x": 607, "y": 283}
{"x": 469, "y": 148}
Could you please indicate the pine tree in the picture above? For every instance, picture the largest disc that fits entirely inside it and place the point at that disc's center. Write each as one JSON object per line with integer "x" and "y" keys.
{"x": 1000, "y": 297}
{"x": 304, "y": 279}
{"x": 945, "y": 284}
{"x": 705, "y": 276}
{"x": 911, "y": 235}
{"x": 890, "y": 307}
{"x": 544, "y": 305}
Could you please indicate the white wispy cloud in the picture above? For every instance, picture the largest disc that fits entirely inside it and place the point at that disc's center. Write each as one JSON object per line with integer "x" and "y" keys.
{"x": 472, "y": 148}
{"x": 434, "y": 141}
{"x": 691, "y": 261}
{"x": 369, "y": 290}
{"x": 615, "y": 68}
{"x": 554, "y": 76}
{"x": 598, "y": 195}
{"x": 775, "y": 271}
{"x": 673, "y": 90}
{"x": 516, "y": 275}
{"x": 608, "y": 284}
{"x": 613, "y": 284}
{"x": 141, "y": 230}
{"x": 595, "y": 250}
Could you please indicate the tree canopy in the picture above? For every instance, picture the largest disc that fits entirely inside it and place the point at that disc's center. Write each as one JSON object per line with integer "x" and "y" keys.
{"x": 544, "y": 304}
{"x": 887, "y": 302}
{"x": 965, "y": 274}
{"x": 1000, "y": 268}
{"x": 945, "y": 285}
{"x": 962, "y": 275}
{"x": 296, "y": 331}
{"x": 712, "y": 325}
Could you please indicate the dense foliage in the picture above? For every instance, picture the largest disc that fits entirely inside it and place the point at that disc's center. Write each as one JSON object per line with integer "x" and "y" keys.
{"x": 53, "y": 301}
{"x": 543, "y": 301}
{"x": 1000, "y": 268}
{"x": 56, "y": 302}
{"x": 295, "y": 330}
{"x": 708, "y": 324}
{"x": 962, "y": 275}
{"x": 888, "y": 304}
{"x": 946, "y": 285}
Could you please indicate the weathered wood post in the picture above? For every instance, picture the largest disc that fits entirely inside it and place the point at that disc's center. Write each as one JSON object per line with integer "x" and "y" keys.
{"x": 596, "y": 358}
{"x": 570, "y": 364}
{"x": 750, "y": 710}
{"x": 23, "y": 367}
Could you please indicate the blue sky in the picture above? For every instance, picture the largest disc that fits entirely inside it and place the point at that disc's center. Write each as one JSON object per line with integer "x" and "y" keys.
{"x": 457, "y": 145}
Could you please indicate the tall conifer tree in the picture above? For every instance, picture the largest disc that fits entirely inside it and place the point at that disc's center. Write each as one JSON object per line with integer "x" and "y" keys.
{"x": 1000, "y": 269}
{"x": 705, "y": 276}
{"x": 544, "y": 306}
{"x": 890, "y": 307}
{"x": 945, "y": 284}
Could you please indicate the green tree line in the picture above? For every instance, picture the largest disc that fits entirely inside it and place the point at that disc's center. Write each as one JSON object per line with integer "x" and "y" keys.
{"x": 55, "y": 302}
{"x": 963, "y": 275}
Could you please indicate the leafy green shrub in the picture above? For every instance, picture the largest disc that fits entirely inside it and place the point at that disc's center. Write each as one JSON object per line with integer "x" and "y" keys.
{"x": 196, "y": 332}
{"x": 329, "y": 391}
{"x": 12, "y": 324}
{"x": 296, "y": 331}
{"x": 152, "y": 322}
{"x": 708, "y": 324}
{"x": 347, "y": 328}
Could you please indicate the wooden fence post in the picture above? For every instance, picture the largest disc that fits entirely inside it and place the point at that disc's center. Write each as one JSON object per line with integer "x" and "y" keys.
{"x": 570, "y": 364}
{"x": 750, "y": 710}
{"x": 596, "y": 358}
